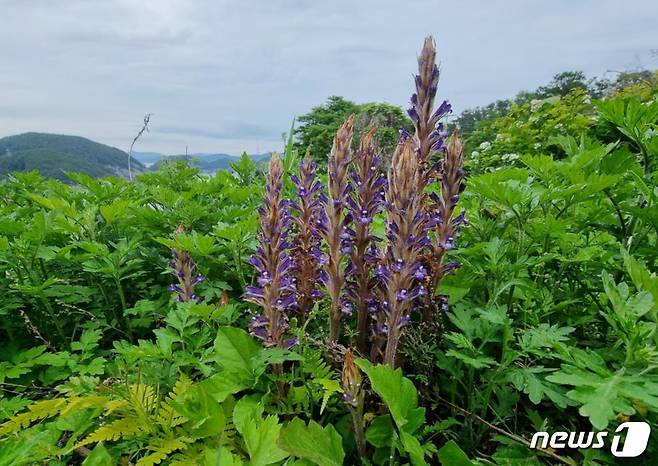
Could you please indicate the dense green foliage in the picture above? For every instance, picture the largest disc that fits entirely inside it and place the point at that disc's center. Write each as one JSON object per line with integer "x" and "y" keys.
{"x": 53, "y": 155}
{"x": 317, "y": 128}
{"x": 561, "y": 85}
{"x": 552, "y": 323}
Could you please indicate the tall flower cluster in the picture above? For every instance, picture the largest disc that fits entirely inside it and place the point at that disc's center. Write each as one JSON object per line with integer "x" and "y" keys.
{"x": 338, "y": 232}
{"x": 306, "y": 250}
{"x": 447, "y": 226}
{"x": 334, "y": 242}
{"x": 275, "y": 292}
{"x": 184, "y": 268}
{"x": 366, "y": 201}
{"x": 401, "y": 271}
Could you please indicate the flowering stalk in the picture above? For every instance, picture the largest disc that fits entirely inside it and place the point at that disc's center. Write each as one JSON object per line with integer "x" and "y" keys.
{"x": 429, "y": 135}
{"x": 353, "y": 395}
{"x": 447, "y": 227}
{"x": 306, "y": 247}
{"x": 338, "y": 232}
{"x": 429, "y": 139}
{"x": 275, "y": 292}
{"x": 184, "y": 267}
{"x": 365, "y": 203}
{"x": 401, "y": 271}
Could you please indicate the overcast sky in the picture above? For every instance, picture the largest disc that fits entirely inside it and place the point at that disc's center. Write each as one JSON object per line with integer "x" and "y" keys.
{"x": 227, "y": 76}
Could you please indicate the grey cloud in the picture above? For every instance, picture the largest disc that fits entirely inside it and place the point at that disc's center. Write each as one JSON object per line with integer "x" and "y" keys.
{"x": 227, "y": 75}
{"x": 238, "y": 130}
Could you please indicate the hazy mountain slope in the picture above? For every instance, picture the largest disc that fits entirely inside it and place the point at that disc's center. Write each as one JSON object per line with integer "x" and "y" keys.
{"x": 54, "y": 154}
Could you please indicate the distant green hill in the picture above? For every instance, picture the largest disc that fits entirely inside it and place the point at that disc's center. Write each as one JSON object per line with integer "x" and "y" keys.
{"x": 54, "y": 154}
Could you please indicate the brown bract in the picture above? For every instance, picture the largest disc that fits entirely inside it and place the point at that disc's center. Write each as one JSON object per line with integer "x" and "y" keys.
{"x": 339, "y": 161}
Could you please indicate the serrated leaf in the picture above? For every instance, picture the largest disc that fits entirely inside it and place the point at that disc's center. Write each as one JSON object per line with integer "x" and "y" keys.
{"x": 247, "y": 407}
{"x": 413, "y": 448}
{"x": 330, "y": 387}
{"x": 398, "y": 393}
{"x": 380, "y": 432}
{"x": 260, "y": 437}
{"x": 322, "y": 446}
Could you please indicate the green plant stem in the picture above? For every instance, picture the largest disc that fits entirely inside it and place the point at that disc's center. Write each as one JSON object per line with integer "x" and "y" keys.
{"x": 359, "y": 433}
{"x": 124, "y": 306}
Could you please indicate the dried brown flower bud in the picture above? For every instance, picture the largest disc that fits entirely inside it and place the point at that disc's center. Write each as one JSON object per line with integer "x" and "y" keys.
{"x": 351, "y": 379}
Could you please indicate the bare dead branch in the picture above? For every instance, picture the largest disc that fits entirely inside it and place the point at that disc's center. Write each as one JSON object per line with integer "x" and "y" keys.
{"x": 145, "y": 128}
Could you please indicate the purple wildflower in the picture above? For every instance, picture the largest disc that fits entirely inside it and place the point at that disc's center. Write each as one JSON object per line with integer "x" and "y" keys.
{"x": 443, "y": 207}
{"x": 406, "y": 226}
{"x": 429, "y": 134}
{"x": 184, "y": 267}
{"x": 306, "y": 246}
{"x": 275, "y": 292}
{"x": 366, "y": 201}
{"x": 338, "y": 233}
{"x": 429, "y": 138}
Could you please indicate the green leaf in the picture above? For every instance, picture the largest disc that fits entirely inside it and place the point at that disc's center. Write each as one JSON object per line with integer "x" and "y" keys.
{"x": 268, "y": 356}
{"x": 247, "y": 407}
{"x": 260, "y": 438}
{"x": 199, "y": 405}
{"x": 329, "y": 387}
{"x": 99, "y": 456}
{"x": 604, "y": 394}
{"x": 451, "y": 455}
{"x": 380, "y": 432}
{"x": 234, "y": 351}
{"x": 527, "y": 379}
{"x": 397, "y": 391}
{"x": 220, "y": 457}
{"x": 412, "y": 447}
{"x": 224, "y": 384}
{"x": 322, "y": 446}
{"x": 476, "y": 361}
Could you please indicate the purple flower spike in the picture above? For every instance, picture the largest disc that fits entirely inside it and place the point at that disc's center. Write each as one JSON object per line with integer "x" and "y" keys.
{"x": 406, "y": 225}
{"x": 429, "y": 135}
{"x": 306, "y": 252}
{"x": 443, "y": 207}
{"x": 337, "y": 232}
{"x": 184, "y": 267}
{"x": 365, "y": 203}
{"x": 430, "y": 139}
{"x": 275, "y": 292}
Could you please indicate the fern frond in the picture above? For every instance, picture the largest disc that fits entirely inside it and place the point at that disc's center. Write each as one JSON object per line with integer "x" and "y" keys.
{"x": 160, "y": 452}
{"x": 143, "y": 398}
{"x": 180, "y": 387}
{"x": 121, "y": 428}
{"x": 313, "y": 363}
{"x": 167, "y": 416}
{"x": 35, "y": 412}
{"x": 85, "y": 402}
{"x": 114, "y": 405}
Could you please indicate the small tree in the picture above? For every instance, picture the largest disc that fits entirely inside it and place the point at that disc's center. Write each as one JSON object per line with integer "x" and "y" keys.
{"x": 318, "y": 127}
